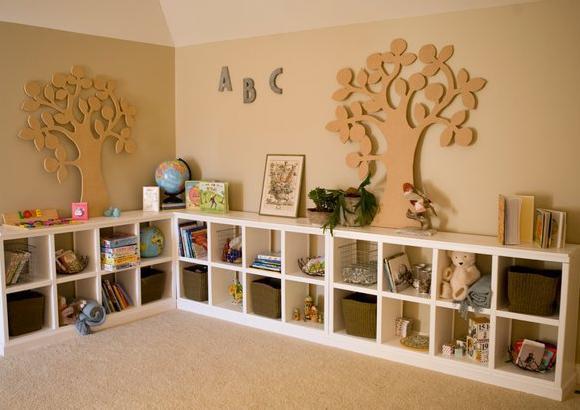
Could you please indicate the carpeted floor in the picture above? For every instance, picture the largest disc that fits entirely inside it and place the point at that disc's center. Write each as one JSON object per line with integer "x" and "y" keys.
{"x": 181, "y": 360}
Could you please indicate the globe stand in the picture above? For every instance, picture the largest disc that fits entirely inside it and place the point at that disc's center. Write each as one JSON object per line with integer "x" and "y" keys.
{"x": 173, "y": 201}
{"x": 176, "y": 179}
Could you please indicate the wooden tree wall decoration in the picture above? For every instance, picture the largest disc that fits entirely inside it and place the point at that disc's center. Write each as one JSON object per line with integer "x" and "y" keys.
{"x": 83, "y": 112}
{"x": 389, "y": 103}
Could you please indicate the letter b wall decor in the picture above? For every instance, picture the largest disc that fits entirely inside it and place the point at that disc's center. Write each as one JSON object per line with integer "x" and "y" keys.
{"x": 248, "y": 86}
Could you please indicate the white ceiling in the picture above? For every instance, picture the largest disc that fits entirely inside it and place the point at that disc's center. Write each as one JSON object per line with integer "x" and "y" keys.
{"x": 186, "y": 22}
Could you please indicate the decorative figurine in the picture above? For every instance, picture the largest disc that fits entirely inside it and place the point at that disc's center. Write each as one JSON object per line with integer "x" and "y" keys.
{"x": 313, "y": 314}
{"x": 112, "y": 212}
{"x": 296, "y": 314}
{"x": 236, "y": 291}
{"x": 320, "y": 317}
{"x": 308, "y": 303}
{"x": 418, "y": 211}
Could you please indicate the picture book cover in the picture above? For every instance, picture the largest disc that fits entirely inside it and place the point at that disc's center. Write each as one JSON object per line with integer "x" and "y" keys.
{"x": 531, "y": 355}
{"x": 192, "y": 195}
{"x": 214, "y": 196}
{"x": 400, "y": 271}
{"x": 80, "y": 211}
{"x": 151, "y": 197}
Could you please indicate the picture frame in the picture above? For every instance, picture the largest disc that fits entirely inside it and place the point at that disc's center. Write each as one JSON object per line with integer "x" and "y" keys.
{"x": 399, "y": 269}
{"x": 282, "y": 184}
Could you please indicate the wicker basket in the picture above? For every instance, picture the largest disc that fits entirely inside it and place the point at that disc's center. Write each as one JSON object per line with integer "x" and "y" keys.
{"x": 195, "y": 283}
{"x": 360, "y": 315}
{"x": 266, "y": 297}
{"x": 25, "y": 312}
{"x": 533, "y": 291}
{"x": 152, "y": 284}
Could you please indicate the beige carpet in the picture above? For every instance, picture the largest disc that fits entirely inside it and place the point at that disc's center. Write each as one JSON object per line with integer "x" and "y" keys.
{"x": 181, "y": 360}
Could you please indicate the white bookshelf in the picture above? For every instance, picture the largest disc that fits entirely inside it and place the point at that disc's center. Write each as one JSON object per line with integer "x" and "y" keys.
{"x": 295, "y": 238}
{"x": 436, "y": 317}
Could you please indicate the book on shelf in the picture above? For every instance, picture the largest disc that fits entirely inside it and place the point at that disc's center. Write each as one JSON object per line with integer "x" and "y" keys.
{"x": 550, "y": 228}
{"x": 115, "y": 297}
{"x": 118, "y": 240}
{"x": 270, "y": 256}
{"x": 398, "y": 270}
{"x": 151, "y": 198}
{"x": 531, "y": 355}
{"x": 214, "y": 196}
{"x": 193, "y": 240}
{"x": 18, "y": 262}
{"x": 123, "y": 250}
{"x": 192, "y": 195}
{"x": 515, "y": 219}
{"x": 271, "y": 261}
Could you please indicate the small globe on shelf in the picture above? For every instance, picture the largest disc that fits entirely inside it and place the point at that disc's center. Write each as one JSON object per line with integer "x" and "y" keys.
{"x": 170, "y": 176}
{"x": 151, "y": 242}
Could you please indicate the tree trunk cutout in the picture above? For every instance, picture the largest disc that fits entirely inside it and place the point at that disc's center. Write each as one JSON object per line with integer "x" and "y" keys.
{"x": 84, "y": 113}
{"x": 402, "y": 123}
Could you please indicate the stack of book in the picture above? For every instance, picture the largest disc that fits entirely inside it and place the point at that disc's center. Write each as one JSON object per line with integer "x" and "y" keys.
{"x": 271, "y": 261}
{"x": 119, "y": 251}
{"x": 515, "y": 219}
{"x": 115, "y": 299}
{"x": 193, "y": 240}
{"x": 550, "y": 228}
{"x": 16, "y": 266}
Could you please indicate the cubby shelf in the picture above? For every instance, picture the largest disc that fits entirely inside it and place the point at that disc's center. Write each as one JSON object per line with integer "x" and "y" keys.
{"x": 295, "y": 239}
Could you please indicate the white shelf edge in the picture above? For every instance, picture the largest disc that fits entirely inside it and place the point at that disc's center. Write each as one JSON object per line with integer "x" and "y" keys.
{"x": 21, "y": 287}
{"x": 550, "y": 321}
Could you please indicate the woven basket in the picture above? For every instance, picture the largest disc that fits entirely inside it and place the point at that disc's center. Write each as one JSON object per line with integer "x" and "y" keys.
{"x": 266, "y": 297}
{"x": 25, "y": 312}
{"x": 195, "y": 283}
{"x": 533, "y": 291}
{"x": 360, "y": 315}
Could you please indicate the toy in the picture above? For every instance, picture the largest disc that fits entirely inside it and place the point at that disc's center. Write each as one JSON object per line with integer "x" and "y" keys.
{"x": 80, "y": 211}
{"x": 458, "y": 277}
{"x": 112, "y": 212}
{"x": 296, "y": 314}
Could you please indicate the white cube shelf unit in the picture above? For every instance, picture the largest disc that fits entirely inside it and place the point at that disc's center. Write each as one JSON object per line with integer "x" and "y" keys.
{"x": 296, "y": 238}
{"x": 433, "y": 316}
{"x": 83, "y": 238}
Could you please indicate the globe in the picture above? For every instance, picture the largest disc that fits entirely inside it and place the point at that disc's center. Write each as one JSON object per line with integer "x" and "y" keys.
{"x": 171, "y": 176}
{"x": 152, "y": 241}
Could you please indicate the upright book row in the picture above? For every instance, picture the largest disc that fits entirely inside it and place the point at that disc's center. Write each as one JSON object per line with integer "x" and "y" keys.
{"x": 193, "y": 240}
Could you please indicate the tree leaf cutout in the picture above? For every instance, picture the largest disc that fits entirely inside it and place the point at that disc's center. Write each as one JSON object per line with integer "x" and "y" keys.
{"x": 47, "y": 119}
{"x": 468, "y": 100}
{"x": 420, "y": 112}
{"x": 100, "y": 82}
{"x": 417, "y": 81}
{"x": 363, "y": 169}
{"x": 86, "y": 83}
{"x": 362, "y": 77}
{"x": 365, "y": 146}
{"x": 77, "y": 71}
{"x": 50, "y": 164}
{"x": 371, "y": 106}
{"x": 62, "y": 174}
{"x": 430, "y": 70}
{"x": 374, "y": 77}
{"x": 459, "y": 117}
{"x": 30, "y": 105}
{"x": 427, "y": 53}
{"x": 51, "y": 141}
{"x": 356, "y": 108}
{"x": 408, "y": 58}
{"x": 374, "y": 61}
{"x": 49, "y": 92}
{"x": 401, "y": 86}
{"x": 341, "y": 94}
{"x": 332, "y": 126}
{"x": 341, "y": 112}
{"x": 434, "y": 91}
{"x": 61, "y": 94}
{"x": 464, "y": 136}
{"x": 60, "y": 154}
{"x": 343, "y": 133}
{"x": 475, "y": 84}
{"x": 107, "y": 112}
{"x": 446, "y": 137}
{"x": 94, "y": 103}
{"x": 344, "y": 76}
{"x": 27, "y": 134}
{"x": 357, "y": 132}
{"x": 102, "y": 95}
{"x": 32, "y": 88}
{"x": 129, "y": 120}
{"x": 83, "y": 105}
{"x": 39, "y": 142}
{"x": 119, "y": 146}
{"x": 398, "y": 46}
{"x": 445, "y": 53}
{"x": 61, "y": 118}
{"x": 353, "y": 159}
{"x": 125, "y": 133}
{"x": 100, "y": 127}
{"x": 59, "y": 80}
{"x": 33, "y": 122}
{"x": 462, "y": 77}
{"x": 130, "y": 146}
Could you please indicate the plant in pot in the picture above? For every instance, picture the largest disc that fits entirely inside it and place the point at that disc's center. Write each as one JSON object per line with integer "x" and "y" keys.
{"x": 325, "y": 202}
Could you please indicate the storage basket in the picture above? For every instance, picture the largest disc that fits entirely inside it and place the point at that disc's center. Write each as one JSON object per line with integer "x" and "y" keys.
{"x": 266, "y": 297}
{"x": 360, "y": 315}
{"x": 25, "y": 312}
{"x": 152, "y": 284}
{"x": 533, "y": 291}
{"x": 195, "y": 283}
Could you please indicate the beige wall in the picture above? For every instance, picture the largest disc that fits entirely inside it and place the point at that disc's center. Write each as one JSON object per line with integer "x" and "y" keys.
{"x": 528, "y": 120}
{"x": 145, "y": 76}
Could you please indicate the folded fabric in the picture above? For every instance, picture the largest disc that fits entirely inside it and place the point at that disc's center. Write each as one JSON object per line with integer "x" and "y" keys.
{"x": 478, "y": 296}
{"x": 92, "y": 314}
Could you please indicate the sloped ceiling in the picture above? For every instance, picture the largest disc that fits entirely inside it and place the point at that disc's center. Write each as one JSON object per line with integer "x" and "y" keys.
{"x": 185, "y": 22}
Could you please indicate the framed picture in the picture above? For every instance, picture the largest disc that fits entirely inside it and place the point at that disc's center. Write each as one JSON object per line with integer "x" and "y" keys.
{"x": 399, "y": 270}
{"x": 281, "y": 185}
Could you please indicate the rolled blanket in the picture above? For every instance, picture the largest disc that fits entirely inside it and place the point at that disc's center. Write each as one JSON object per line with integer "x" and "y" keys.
{"x": 91, "y": 314}
{"x": 478, "y": 296}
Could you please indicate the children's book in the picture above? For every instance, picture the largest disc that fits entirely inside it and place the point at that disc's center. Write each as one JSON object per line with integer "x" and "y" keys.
{"x": 557, "y": 229}
{"x": 192, "y": 195}
{"x": 151, "y": 197}
{"x": 214, "y": 196}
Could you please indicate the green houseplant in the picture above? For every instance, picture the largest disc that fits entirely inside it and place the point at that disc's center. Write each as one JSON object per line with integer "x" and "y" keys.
{"x": 324, "y": 204}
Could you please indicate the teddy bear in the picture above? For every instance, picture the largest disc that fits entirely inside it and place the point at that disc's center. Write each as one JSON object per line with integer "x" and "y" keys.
{"x": 458, "y": 277}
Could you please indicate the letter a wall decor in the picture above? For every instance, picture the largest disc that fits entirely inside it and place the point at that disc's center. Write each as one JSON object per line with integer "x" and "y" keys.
{"x": 389, "y": 103}
{"x": 82, "y": 112}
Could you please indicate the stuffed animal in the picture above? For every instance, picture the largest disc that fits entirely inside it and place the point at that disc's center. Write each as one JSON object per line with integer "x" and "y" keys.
{"x": 458, "y": 277}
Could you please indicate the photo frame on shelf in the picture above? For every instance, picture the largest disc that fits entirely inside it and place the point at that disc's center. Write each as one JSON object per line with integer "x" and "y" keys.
{"x": 399, "y": 270}
{"x": 281, "y": 185}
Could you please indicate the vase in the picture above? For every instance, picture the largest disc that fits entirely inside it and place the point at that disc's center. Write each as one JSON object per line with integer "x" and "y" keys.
{"x": 317, "y": 217}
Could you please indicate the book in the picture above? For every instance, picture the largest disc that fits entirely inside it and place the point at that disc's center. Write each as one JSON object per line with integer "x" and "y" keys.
{"x": 531, "y": 355}
{"x": 199, "y": 243}
{"x": 501, "y": 220}
{"x": 389, "y": 279}
{"x": 557, "y": 237}
{"x": 151, "y": 198}
{"x": 213, "y": 196}
{"x": 542, "y": 228}
{"x": 122, "y": 250}
{"x": 118, "y": 240}
{"x": 273, "y": 256}
{"x": 513, "y": 206}
{"x": 527, "y": 218}
{"x": 400, "y": 271}
{"x": 192, "y": 195}
{"x": 515, "y": 219}
{"x": 80, "y": 211}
